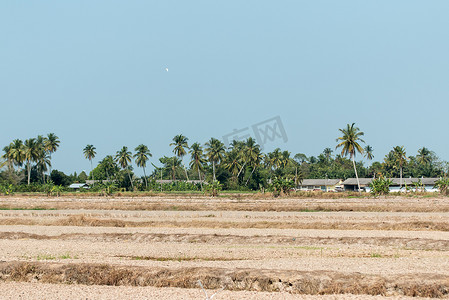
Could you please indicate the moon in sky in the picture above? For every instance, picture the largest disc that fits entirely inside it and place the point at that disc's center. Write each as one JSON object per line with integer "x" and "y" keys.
{"x": 166, "y": 69}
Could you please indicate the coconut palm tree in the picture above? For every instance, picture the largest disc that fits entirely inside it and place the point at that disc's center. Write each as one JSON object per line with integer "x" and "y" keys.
{"x": 8, "y": 157}
{"x": 43, "y": 162}
{"x": 123, "y": 158}
{"x": 197, "y": 160}
{"x": 424, "y": 156}
{"x": 215, "y": 152}
{"x": 256, "y": 159}
{"x": 142, "y": 156}
{"x": 400, "y": 158}
{"x": 369, "y": 152}
{"x": 31, "y": 151}
{"x": 18, "y": 152}
{"x": 180, "y": 143}
{"x": 327, "y": 153}
{"x": 350, "y": 144}
{"x": 89, "y": 153}
{"x": 51, "y": 144}
{"x": 232, "y": 163}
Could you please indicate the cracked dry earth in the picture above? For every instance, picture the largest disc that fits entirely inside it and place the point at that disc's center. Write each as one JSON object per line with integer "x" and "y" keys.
{"x": 158, "y": 248}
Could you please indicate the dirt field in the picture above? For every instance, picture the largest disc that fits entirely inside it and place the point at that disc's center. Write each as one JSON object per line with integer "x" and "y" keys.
{"x": 158, "y": 248}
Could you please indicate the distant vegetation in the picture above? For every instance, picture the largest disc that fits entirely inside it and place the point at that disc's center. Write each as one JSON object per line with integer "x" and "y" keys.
{"x": 26, "y": 166}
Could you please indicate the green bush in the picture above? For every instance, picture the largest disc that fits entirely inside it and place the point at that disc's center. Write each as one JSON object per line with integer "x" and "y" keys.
{"x": 380, "y": 186}
{"x": 442, "y": 185}
{"x": 281, "y": 186}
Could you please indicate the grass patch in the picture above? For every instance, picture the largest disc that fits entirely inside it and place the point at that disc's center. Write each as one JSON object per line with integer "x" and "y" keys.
{"x": 376, "y": 255}
{"x": 26, "y": 208}
{"x": 179, "y": 258}
{"x": 46, "y": 256}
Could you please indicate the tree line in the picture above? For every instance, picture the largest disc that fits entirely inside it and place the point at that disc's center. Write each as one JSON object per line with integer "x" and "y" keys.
{"x": 241, "y": 166}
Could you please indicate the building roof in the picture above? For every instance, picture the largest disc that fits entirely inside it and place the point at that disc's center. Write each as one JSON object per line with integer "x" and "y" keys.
{"x": 353, "y": 181}
{"x": 320, "y": 182}
{"x": 78, "y": 185}
{"x": 396, "y": 181}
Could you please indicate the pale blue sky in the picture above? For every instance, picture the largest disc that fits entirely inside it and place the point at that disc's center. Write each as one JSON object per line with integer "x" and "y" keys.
{"x": 93, "y": 72}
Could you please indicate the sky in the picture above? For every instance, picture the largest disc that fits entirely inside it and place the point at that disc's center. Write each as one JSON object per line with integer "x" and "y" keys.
{"x": 94, "y": 72}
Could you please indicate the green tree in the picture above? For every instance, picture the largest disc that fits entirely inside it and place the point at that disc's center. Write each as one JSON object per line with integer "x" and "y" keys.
{"x": 424, "y": 156}
{"x": 197, "y": 160}
{"x": 31, "y": 151}
{"x": 8, "y": 157}
{"x": 142, "y": 155}
{"x": 123, "y": 158}
{"x": 369, "y": 152}
{"x": 18, "y": 152}
{"x": 215, "y": 153}
{"x": 349, "y": 142}
{"x": 89, "y": 153}
{"x": 51, "y": 144}
{"x": 180, "y": 143}
{"x": 400, "y": 158}
{"x": 172, "y": 165}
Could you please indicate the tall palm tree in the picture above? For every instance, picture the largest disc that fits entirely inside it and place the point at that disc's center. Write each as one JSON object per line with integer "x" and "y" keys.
{"x": 7, "y": 156}
{"x": 232, "y": 163}
{"x": 327, "y": 153}
{"x": 256, "y": 159}
{"x": 31, "y": 151}
{"x": 369, "y": 152}
{"x": 51, "y": 144}
{"x": 142, "y": 156}
{"x": 89, "y": 153}
{"x": 197, "y": 160}
{"x": 180, "y": 143}
{"x": 123, "y": 158}
{"x": 400, "y": 158}
{"x": 43, "y": 162}
{"x": 350, "y": 144}
{"x": 215, "y": 152}
{"x": 247, "y": 152}
{"x": 18, "y": 152}
{"x": 424, "y": 156}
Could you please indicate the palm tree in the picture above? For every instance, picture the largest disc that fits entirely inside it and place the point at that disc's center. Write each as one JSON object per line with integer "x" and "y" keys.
{"x": 18, "y": 152}
{"x": 424, "y": 156}
{"x": 172, "y": 164}
{"x": 400, "y": 158}
{"x": 369, "y": 152}
{"x": 256, "y": 159}
{"x": 350, "y": 144}
{"x": 89, "y": 153}
{"x": 51, "y": 144}
{"x": 180, "y": 142}
{"x": 232, "y": 163}
{"x": 123, "y": 158}
{"x": 215, "y": 151}
{"x": 142, "y": 156}
{"x": 327, "y": 153}
{"x": 7, "y": 156}
{"x": 198, "y": 161}
{"x": 31, "y": 151}
{"x": 43, "y": 162}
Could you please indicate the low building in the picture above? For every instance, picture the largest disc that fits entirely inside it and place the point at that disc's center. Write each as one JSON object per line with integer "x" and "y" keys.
{"x": 398, "y": 184}
{"x": 78, "y": 186}
{"x": 350, "y": 184}
{"x": 325, "y": 185}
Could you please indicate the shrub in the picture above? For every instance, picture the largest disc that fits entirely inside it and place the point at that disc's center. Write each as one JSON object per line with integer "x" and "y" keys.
{"x": 380, "y": 186}
{"x": 281, "y": 186}
{"x": 442, "y": 185}
{"x": 213, "y": 188}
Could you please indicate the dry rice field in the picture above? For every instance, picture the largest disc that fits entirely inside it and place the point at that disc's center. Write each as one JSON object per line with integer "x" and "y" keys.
{"x": 159, "y": 247}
